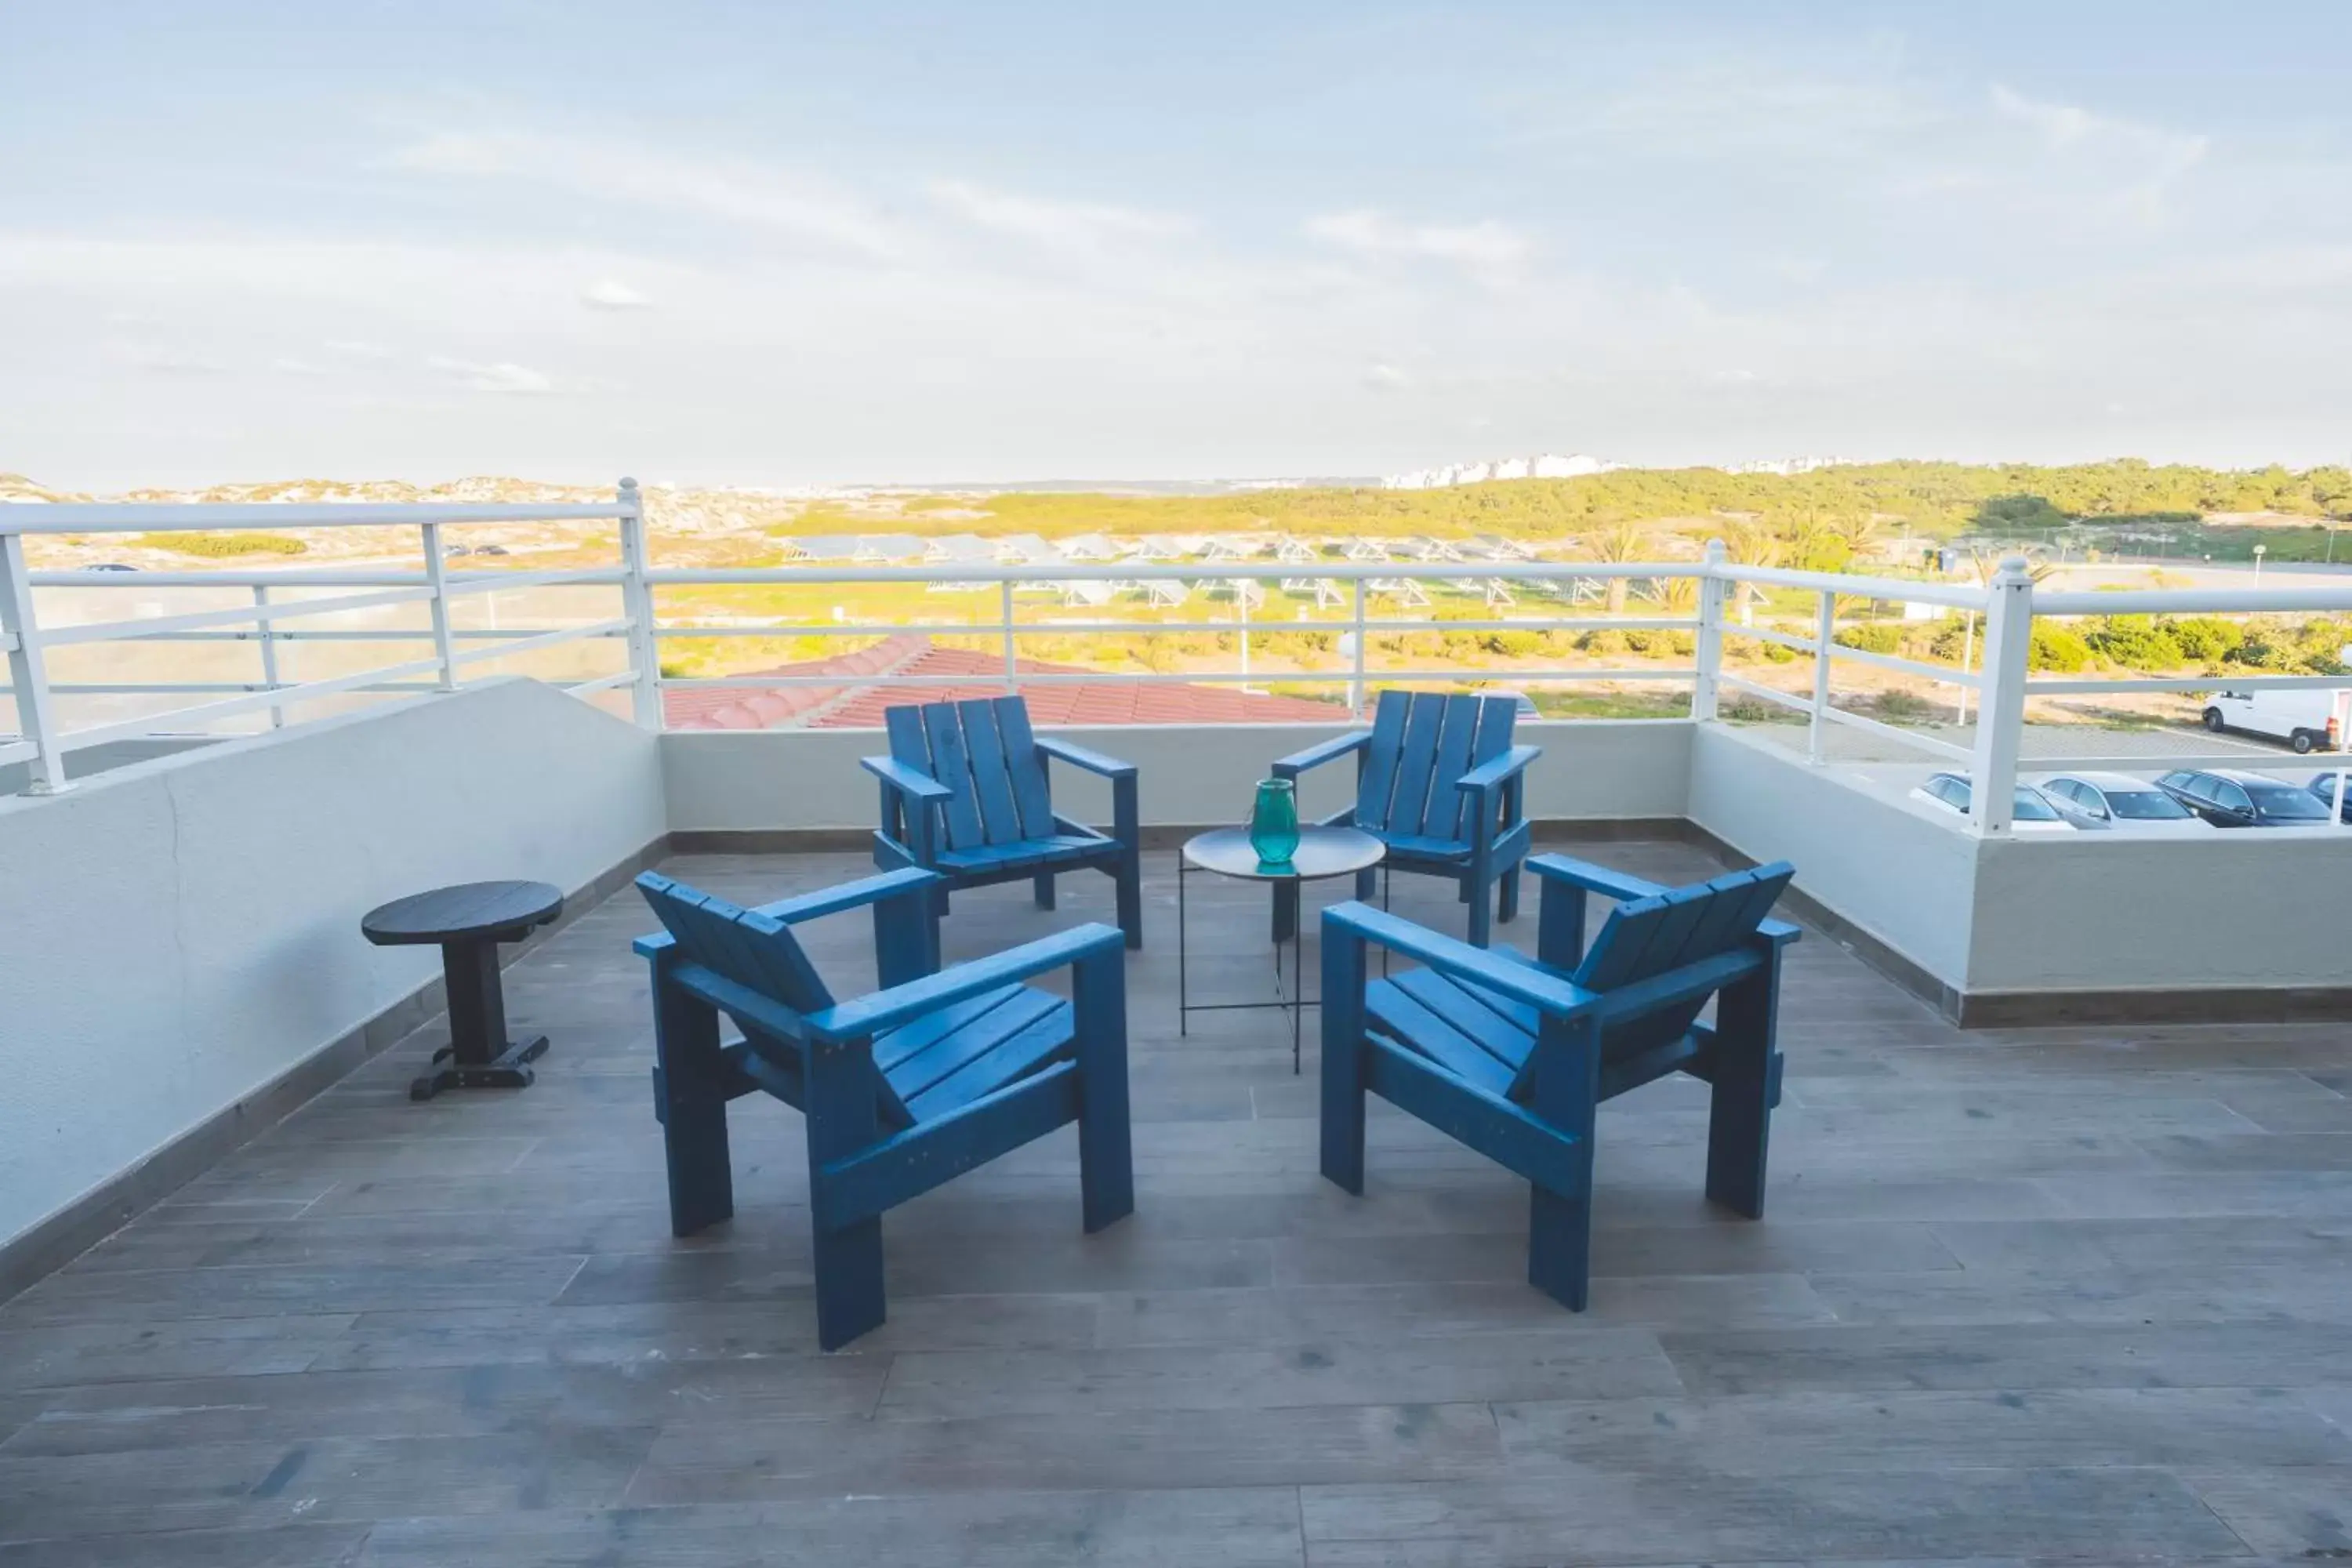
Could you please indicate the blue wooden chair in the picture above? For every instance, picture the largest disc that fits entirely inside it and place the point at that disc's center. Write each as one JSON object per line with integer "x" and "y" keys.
{"x": 1512, "y": 1056}
{"x": 964, "y": 793}
{"x": 903, "y": 1089}
{"x": 1437, "y": 781}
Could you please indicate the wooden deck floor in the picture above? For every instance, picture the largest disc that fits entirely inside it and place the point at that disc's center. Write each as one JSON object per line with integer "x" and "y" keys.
{"x": 2081, "y": 1294}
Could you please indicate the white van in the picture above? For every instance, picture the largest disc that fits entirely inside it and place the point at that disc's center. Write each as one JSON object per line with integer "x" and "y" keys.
{"x": 2309, "y": 719}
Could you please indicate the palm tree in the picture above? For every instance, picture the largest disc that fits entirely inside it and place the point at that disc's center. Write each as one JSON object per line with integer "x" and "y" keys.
{"x": 1619, "y": 544}
{"x": 1749, "y": 544}
{"x": 1859, "y": 532}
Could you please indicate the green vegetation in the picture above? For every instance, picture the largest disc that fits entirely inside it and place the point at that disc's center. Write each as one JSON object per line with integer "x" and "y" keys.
{"x": 219, "y": 545}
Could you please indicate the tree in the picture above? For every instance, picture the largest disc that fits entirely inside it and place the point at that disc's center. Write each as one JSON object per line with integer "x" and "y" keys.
{"x": 1749, "y": 544}
{"x": 1619, "y": 544}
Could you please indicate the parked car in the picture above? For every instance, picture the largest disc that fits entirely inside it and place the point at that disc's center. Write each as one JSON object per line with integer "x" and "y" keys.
{"x": 2102, "y": 802}
{"x": 2029, "y": 813}
{"x": 2305, "y": 718}
{"x": 2229, "y": 797}
{"x": 2323, "y": 786}
{"x": 490, "y": 550}
{"x": 114, "y": 566}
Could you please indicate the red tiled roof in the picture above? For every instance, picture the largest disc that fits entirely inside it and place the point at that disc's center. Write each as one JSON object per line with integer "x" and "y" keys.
{"x": 857, "y": 705}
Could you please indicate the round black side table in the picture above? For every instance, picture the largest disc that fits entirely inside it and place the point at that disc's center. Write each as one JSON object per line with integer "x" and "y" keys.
{"x": 1322, "y": 852}
{"x": 467, "y": 923}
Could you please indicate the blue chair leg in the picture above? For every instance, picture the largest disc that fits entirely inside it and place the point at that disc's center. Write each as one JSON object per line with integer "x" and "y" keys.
{"x": 1343, "y": 1060}
{"x": 1559, "y": 1246}
{"x": 1739, "y": 1113}
{"x": 1106, "y": 1150}
{"x": 690, "y": 1096}
{"x": 1480, "y": 899}
{"x": 843, "y": 1118}
{"x": 1130, "y": 885}
{"x": 1368, "y": 884}
{"x": 1044, "y": 883}
{"x": 1507, "y": 909}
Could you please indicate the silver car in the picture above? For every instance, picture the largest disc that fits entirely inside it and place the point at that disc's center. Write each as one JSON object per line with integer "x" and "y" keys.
{"x": 2103, "y": 802}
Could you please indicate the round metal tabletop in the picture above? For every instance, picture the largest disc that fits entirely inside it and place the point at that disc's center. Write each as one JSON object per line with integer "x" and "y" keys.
{"x": 1322, "y": 852}
{"x": 470, "y": 910}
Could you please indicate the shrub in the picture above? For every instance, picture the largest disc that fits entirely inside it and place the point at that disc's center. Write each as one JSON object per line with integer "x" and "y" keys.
{"x": 1774, "y": 653}
{"x": 2134, "y": 642}
{"x": 217, "y": 546}
{"x": 1605, "y": 643}
{"x": 1899, "y": 705}
{"x": 2206, "y": 639}
{"x": 2057, "y": 649}
{"x": 1881, "y": 638}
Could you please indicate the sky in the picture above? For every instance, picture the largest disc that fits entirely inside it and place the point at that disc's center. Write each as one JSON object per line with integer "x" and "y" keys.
{"x": 792, "y": 245}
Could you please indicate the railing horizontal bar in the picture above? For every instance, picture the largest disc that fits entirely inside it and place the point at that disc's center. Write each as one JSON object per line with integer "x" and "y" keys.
{"x": 206, "y": 712}
{"x": 131, "y": 631}
{"x": 2192, "y": 601}
{"x": 555, "y": 577}
{"x": 1803, "y": 645}
{"x": 1770, "y": 694}
{"x": 18, "y": 751}
{"x": 2191, "y": 683}
{"x": 2294, "y": 767}
{"x": 602, "y": 683}
{"x": 116, "y": 517}
{"x": 1939, "y": 672}
{"x": 1210, "y": 573}
{"x": 1896, "y": 733}
{"x": 544, "y": 639}
{"x": 419, "y": 634}
{"x": 285, "y": 579}
{"x": 1506, "y": 678}
{"x": 1897, "y": 590}
{"x": 1056, "y": 628}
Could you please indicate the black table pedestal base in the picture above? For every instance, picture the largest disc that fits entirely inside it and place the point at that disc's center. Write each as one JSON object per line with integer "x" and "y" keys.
{"x": 507, "y": 1069}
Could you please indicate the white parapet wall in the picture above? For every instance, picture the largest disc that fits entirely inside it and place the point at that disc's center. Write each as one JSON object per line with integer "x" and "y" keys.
{"x": 809, "y": 780}
{"x": 184, "y": 932}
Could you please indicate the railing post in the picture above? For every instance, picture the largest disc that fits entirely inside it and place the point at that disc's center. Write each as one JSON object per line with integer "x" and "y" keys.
{"x": 637, "y": 609}
{"x": 1711, "y": 589}
{"x": 437, "y": 572}
{"x": 20, "y": 633}
{"x": 269, "y": 652}
{"x": 1012, "y": 652}
{"x": 1356, "y": 684}
{"x": 2000, "y": 697}
{"x": 1824, "y": 638}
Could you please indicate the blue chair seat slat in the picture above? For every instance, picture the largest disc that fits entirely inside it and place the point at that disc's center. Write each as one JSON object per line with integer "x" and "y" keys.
{"x": 1457, "y": 730}
{"x": 1000, "y": 819}
{"x": 893, "y": 1046}
{"x": 1025, "y": 768}
{"x": 1023, "y": 852}
{"x": 1422, "y": 1029}
{"x": 952, "y": 1048}
{"x": 1006, "y": 1059}
{"x": 1489, "y": 1026}
{"x": 1426, "y": 847}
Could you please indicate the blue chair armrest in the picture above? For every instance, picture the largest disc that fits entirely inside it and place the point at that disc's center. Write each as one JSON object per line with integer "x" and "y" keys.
{"x": 907, "y": 780}
{"x": 849, "y": 895}
{"x": 1495, "y": 774}
{"x": 1779, "y": 933}
{"x": 868, "y": 1016}
{"x": 1545, "y": 992}
{"x": 1593, "y": 879}
{"x": 1080, "y": 757}
{"x": 1314, "y": 756}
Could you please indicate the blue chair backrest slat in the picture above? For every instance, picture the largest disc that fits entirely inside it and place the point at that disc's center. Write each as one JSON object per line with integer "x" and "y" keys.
{"x": 1378, "y": 781}
{"x": 1747, "y": 897}
{"x": 908, "y": 744}
{"x": 1000, "y": 819}
{"x": 753, "y": 950}
{"x": 952, "y": 767}
{"x": 1457, "y": 731}
{"x": 1025, "y": 768}
{"x": 1414, "y": 759}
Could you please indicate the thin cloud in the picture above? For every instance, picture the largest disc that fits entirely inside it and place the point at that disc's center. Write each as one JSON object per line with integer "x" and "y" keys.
{"x": 1488, "y": 250}
{"x": 730, "y": 190}
{"x": 1052, "y": 225}
{"x": 353, "y": 348}
{"x": 501, "y": 376}
{"x": 1386, "y": 378}
{"x": 611, "y": 294}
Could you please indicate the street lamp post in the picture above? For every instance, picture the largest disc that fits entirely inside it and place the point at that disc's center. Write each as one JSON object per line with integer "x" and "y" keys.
{"x": 2260, "y": 550}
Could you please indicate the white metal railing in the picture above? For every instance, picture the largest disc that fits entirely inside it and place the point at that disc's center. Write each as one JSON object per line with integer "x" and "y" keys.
{"x": 282, "y": 600}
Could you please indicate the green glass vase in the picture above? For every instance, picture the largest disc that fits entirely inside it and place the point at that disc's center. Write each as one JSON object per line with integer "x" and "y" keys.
{"x": 1274, "y": 822}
